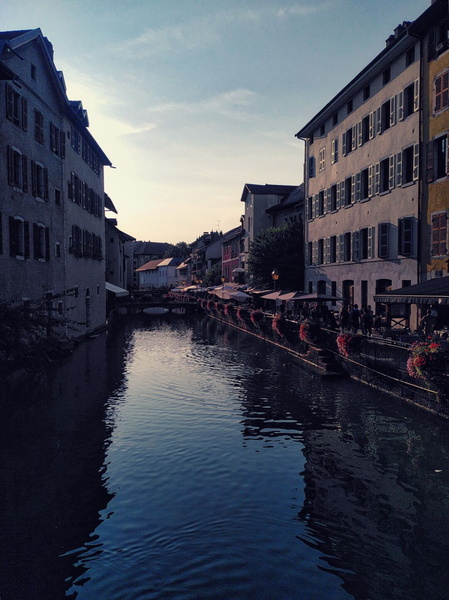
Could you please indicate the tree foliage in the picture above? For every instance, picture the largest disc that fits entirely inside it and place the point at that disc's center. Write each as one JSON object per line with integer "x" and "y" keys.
{"x": 280, "y": 248}
{"x": 179, "y": 250}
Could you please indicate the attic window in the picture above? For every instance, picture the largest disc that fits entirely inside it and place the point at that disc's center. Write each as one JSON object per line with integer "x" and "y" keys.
{"x": 33, "y": 72}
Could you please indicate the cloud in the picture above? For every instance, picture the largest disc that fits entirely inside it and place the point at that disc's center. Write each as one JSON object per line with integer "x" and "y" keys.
{"x": 302, "y": 10}
{"x": 231, "y": 104}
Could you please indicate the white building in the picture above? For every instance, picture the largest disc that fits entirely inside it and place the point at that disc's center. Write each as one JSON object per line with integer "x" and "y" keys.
{"x": 362, "y": 179}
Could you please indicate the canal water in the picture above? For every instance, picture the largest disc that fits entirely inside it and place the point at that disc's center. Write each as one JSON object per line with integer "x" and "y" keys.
{"x": 182, "y": 460}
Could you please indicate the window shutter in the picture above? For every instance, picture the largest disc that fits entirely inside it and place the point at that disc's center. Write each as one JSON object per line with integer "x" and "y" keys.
{"x": 311, "y": 167}
{"x": 376, "y": 178}
{"x": 343, "y": 144}
{"x": 416, "y": 95}
{"x": 328, "y": 200}
{"x": 325, "y": 203}
{"x": 35, "y": 240}
{"x": 359, "y": 133}
{"x": 10, "y": 166}
{"x": 26, "y": 237}
{"x": 341, "y": 248}
{"x": 356, "y": 246}
{"x": 24, "y": 114}
{"x": 358, "y": 187}
{"x": 316, "y": 209}
{"x": 391, "y": 173}
{"x": 33, "y": 179}
{"x": 415, "y": 162}
{"x": 429, "y": 163}
{"x": 47, "y": 243}
{"x": 315, "y": 253}
{"x": 400, "y": 103}
{"x": 370, "y": 181}
{"x": 12, "y": 237}
{"x": 372, "y": 125}
{"x": 398, "y": 169}
{"x": 383, "y": 244}
{"x": 9, "y": 102}
{"x": 354, "y": 137}
{"x": 46, "y": 184}
{"x": 371, "y": 238}
{"x": 378, "y": 121}
{"x": 392, "y": 111}
{"x": 352, "y": 189}
{"x": 338, "y": 204}
{"x": 333, "y": 151}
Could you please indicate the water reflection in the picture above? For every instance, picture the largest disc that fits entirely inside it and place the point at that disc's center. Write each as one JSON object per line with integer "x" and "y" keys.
{"x": 171, "y": 459}
{"x": 52, "y": 483}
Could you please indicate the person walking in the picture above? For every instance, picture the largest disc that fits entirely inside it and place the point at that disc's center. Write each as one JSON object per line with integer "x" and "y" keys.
{"x": 427, "y": 324}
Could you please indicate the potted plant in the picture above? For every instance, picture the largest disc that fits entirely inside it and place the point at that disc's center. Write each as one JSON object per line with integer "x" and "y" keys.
{"x": 427, "y": 361}
{"x": 348, "y": 344}
{"x": 309, "y": 332}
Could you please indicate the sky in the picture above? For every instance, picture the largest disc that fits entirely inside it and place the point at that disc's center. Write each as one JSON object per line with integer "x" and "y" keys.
{"x": 191, "y": 99}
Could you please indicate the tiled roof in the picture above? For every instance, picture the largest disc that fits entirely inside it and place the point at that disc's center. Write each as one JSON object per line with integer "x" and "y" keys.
{"x": 149, "y": 248}
{"x": 152, "y": 265}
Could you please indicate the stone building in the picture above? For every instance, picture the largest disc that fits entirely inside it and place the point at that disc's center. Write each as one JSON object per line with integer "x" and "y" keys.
{"x": 52, "y": 189}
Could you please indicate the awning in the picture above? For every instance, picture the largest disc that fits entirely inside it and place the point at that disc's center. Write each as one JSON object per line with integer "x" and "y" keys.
{"x": 291, "y": 296}
{"x": 118, "y": 291}
{"x": 428, "y": 292}
{"x": 319, "y": 297}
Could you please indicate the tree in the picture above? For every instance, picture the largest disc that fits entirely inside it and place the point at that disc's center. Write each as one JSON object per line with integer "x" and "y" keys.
{"x": 280, "y": 248}
{"x": 179, "y": 250}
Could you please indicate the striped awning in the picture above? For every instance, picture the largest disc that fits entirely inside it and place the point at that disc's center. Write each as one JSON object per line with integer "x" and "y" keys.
{"x": 427, "y": 292}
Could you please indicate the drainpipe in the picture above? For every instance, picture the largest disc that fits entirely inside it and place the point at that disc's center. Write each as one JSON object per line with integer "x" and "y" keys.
{"x": 421, "y": 152}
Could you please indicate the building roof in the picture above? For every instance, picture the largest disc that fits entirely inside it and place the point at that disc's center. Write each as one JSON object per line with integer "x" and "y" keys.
{"x": 267, "y": 189}
{"x": 396, "y": 45}
{"x": 428, "y": 292}
{"x": 18, "y": 39}
{"x": 231, "y": 234}
{"x": 151, "y": 265}
{"x": 295, "y": 197}
{"x": 150, "y": 248}
{"x": 171, "y": 262}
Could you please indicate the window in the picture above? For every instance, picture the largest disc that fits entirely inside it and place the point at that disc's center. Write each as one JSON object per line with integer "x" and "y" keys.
{"x": 39, "y": 126}
{"x": 58, "y": 196}
{"x": 386, "y": 76}
{"x": 349, "y": 141}
{"x": 442, "y": 91}
{"x": 75, "y": 140}
{"x": 441, "y": 157}
{"x": 39, "y": 180}
{"x": 33, "y": 72}
{"x": 408, "y": 100}
{"x": 384, "y": 176}
{"x": 335, "y": 119}
{"x": 321, "y": 203}
{"x": 57, "y": 140}
{"x": 41, "y": 245}
{"x": 17, "y": 169}
{"x": 407, "y": 165}
{"x": 366, "y": 92}
{"x": 347, "y": 247}
{"x": 364, "y": 184}
{"x": 334, "y": 151}
{"x": 322, "y": 129}
{"x": 322, "y": 159}
{"x": 349, "y": 107}
{"x": 363, "y": 241}
{"x": 333, "y": 200}
{"x": 347, "y": 191}
{"x": 58, "y": 249}
{"x": 365, "y": 129}
{"x": 19, "y": 237}
{"x": 309, "y": 253}
{"x": 439, "y": 234}
{"x": 311, "y": 169}
{"x": 384, "y": 240}
{"x": 320, "y": 258}
{"x": 405, "y": 236}
{"x": 410, "y": 57}
{"x": 385, "y": 116}
{"x": 16, "y": 107}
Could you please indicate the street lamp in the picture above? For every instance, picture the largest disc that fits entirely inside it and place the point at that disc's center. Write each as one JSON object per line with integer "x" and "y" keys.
{"x": 275, "y": 277}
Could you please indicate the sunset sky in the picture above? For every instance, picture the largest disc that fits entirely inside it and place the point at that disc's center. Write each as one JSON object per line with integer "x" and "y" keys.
{"x": 191, "y": 99}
